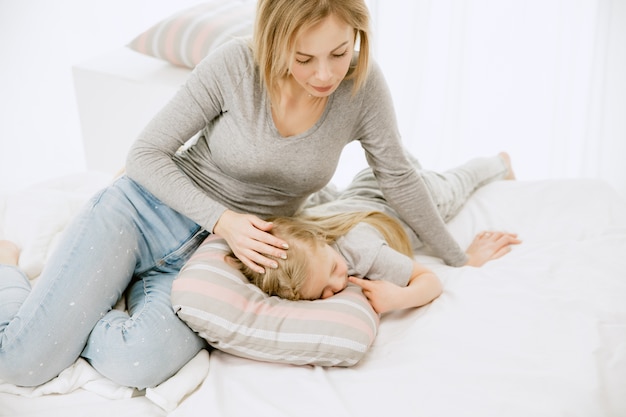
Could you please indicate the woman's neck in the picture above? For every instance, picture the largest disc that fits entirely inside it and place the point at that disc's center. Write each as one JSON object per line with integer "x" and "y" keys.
{"x": 289, "y": 93}
{"x": 294, "y": 110}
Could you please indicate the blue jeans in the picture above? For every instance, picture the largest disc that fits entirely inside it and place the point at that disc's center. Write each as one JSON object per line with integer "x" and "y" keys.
{"x": 124, "y": 241}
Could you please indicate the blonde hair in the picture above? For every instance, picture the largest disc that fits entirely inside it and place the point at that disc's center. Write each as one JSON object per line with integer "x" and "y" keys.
{"x": 278, "y": 24}
{"x": 305, "y": 235}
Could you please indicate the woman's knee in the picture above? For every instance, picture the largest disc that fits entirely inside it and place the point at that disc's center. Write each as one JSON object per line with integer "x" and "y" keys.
{"x": 137, "y": 356}
{"x": 147, "y": 366}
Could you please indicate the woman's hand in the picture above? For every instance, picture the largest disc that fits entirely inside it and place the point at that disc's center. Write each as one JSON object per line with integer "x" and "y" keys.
{"x": 490, "y": 245}
{"x": 248, "y": 237}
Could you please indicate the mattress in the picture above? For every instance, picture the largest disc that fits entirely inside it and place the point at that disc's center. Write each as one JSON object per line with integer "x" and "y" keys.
{"x": 538, "y": 332}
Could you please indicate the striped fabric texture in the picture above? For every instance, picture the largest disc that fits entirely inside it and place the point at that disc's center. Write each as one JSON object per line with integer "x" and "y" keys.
{"x": 186, "y": 37}
{"x": 218, "y": 303}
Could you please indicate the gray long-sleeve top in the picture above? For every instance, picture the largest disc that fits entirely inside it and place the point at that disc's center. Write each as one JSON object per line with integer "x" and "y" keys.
{"x": 242, "y": 163}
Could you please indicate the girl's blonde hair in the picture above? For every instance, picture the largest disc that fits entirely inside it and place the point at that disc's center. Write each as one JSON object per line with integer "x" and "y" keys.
{"x": 278, "y": 24}
{"x": 305, "y": 235}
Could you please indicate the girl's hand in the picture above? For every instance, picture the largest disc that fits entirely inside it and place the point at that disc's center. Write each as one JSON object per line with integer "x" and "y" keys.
{"x": 248, "y": 237}
{"x": 490, "y": 245}
{"x": 382, "y": 295}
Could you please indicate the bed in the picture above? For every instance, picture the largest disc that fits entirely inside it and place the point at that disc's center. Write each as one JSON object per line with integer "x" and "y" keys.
{"x": 539, "y": 332}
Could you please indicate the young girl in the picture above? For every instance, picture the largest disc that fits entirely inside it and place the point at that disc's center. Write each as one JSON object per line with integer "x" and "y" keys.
{"x": 373, "y": 249}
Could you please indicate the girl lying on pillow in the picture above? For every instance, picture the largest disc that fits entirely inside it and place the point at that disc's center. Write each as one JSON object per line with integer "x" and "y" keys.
{"x": 355, "y": 236}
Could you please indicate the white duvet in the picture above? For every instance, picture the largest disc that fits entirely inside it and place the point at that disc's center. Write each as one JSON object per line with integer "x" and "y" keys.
{"x": 539, "y": 332}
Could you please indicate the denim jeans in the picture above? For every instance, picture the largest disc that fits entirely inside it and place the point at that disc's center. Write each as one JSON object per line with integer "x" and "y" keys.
{"x": 124, "y": 241}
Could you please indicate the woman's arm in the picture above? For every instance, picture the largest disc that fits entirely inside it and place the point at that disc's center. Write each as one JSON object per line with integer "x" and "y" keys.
{"x": 384, "y": 296}
{"x": 488, "y": 246}
{"x": 151, "y": 159}
{"x": 401, "y": 184}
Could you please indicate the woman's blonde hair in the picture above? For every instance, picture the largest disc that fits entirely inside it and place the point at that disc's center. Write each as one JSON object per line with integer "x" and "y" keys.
{"x": 279, "y": 23}
{"x": 305, "y": 235}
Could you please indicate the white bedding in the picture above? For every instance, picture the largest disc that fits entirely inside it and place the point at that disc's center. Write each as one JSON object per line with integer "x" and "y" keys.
{"x": 539, "y": 332}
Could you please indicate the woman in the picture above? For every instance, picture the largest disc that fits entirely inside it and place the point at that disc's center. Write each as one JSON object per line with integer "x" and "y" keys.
{"x": 273, "y": 117}
{"x": 331, "y": 245}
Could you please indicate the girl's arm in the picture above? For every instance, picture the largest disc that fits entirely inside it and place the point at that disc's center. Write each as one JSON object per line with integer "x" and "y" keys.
{"x": 384, "y": 296}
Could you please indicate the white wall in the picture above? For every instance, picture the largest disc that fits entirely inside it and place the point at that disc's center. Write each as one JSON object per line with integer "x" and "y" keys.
{"x": 39, "y": 42}
{"x": 542, "y": 79}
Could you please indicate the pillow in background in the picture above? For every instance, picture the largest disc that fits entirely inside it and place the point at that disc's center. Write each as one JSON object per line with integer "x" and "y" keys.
{"x": 186, "y": 37}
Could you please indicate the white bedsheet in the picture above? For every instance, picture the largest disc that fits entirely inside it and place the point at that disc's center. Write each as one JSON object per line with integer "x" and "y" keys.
{"x": 539, "y": 332}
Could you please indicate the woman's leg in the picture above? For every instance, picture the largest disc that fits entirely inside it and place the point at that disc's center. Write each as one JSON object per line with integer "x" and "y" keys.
{"x": 120, "y": 231}
{"x": 147, "y": 345}
{"x": 85, "y": 276}
{"x": 451, "y": 189}
{"x": 14, "y": 285}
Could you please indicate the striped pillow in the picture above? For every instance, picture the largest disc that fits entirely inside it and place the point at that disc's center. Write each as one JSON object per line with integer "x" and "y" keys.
{"x": 218, "y": 303}
{"x": 189, "y": 35}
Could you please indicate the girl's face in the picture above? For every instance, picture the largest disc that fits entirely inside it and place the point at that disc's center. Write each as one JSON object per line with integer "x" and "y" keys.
{"x": 328, "y": 274}
{"x": 322, "y": 56}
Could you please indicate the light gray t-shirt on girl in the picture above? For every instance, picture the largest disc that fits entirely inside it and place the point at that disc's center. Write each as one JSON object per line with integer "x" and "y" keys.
{"x": 368, "y": 255}
{"x": 242, "y": 163}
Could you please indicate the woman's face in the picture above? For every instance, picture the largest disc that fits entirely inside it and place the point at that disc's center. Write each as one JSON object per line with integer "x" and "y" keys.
{"x": 322, "y": 56}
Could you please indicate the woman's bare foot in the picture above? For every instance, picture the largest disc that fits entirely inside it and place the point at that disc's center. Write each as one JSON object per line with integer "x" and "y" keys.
{"x": 510, "y": 175}
{"x": 9, "y": 253}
